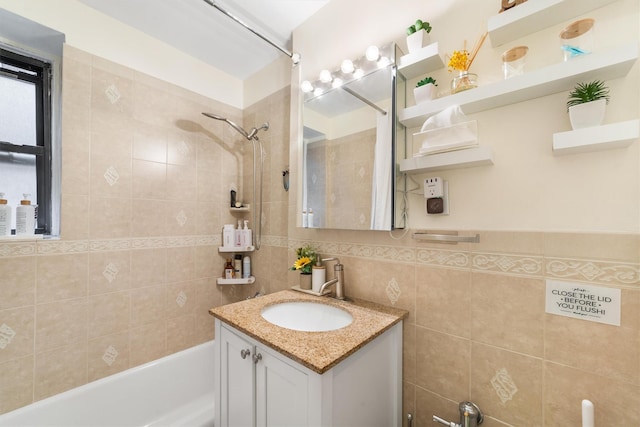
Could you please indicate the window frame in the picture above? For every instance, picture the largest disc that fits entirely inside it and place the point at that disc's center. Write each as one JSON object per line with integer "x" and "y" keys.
{"x": 42, "y": 150}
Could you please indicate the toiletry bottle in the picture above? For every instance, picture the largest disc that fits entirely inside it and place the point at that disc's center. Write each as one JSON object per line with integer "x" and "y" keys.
{"x": 246, "y": 267}
{"x": 304, "y": 218}
{"x": 228, "y": 236}
{"x": 228, "y": 269}
{"x": 25, "y": 217}
{"x": 5, "y": 217}
{"x": 318, "y": 275}
{"x": 237, "y": 266}
{"x": 247, "y": 237}
{"x": 310, "y": 218}
{"x": 232, "y": 197}
{"x": 238, "y": 235}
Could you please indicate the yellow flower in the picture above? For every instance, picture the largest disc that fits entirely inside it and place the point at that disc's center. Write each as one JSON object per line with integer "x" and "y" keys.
{"x": 301, "y": 263}
{"x": 459, "y": 60}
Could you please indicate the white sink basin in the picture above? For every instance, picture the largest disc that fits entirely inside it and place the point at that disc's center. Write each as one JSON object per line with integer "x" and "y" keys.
{"x": 307, "y": 316}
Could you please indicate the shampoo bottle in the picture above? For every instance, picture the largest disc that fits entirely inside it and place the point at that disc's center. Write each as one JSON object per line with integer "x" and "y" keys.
{"x": 246, "y": 267}
{"x": 228, "y": 236}
{"x": 228, "y": 269}
{"x": 237, "y": 266}
{"x": 25, "y": 217}
{"x": 5, "y": 217}
{"x": 247, "y": 237}
{"x": 238, "y": 235}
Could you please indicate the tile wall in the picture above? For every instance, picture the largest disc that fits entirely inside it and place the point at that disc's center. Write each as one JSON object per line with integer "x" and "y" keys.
{"x": 477, "y": 328}
{"x": 145, "y": 190}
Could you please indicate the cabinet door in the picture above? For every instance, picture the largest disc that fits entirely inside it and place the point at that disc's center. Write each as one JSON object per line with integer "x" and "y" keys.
{"x": 282, "y": 392}
{"x": 236, "y": 381}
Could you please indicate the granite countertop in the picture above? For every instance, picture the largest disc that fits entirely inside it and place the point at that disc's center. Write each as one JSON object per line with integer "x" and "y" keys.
{"x": 318, "y": 351}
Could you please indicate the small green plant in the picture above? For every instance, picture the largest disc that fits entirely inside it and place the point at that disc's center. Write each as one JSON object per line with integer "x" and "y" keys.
{"x": 587, "y": 92}
{"x": 426, "y": 81}
{"x": 419, "y": 25}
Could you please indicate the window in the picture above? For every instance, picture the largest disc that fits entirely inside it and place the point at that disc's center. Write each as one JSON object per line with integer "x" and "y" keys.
{"x": 30, "y": 116}
{"x": 25, "y": 133}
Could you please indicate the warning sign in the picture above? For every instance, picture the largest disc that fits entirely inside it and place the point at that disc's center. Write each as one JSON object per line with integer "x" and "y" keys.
{"x": 580, "y": 301}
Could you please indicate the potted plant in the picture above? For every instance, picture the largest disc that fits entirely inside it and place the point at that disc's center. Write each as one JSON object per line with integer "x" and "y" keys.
{"x": 586, "y": 104}
{"x": 425, "y": 90}
{"x": 418, "y": 35}
{"x": 306, "y": 258}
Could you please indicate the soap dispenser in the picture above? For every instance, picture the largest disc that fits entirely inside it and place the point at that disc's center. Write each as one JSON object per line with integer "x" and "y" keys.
{"x": 318, "y": 275}
{"x": 247, "y": 237}
{"x": 25, "y": 217}
{"x": 5, "y": 217}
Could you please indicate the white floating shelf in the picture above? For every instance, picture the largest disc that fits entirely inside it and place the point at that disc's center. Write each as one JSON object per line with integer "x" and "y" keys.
{"x": 597, "y": 138}
{"x": 467, "y": 158}
{"x": 236, "y": 249}
{"x": 606, "y": 65}
{"x": 421, "y": 62}
{"x": 249, "y": 281}
{"x": 535, "y": 15}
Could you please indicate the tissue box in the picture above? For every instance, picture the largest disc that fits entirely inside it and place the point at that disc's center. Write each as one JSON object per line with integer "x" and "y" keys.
{"x": 449, "y": 138}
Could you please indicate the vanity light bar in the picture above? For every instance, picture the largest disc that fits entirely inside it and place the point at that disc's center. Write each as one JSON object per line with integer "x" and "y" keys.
{"x": 375, "y": 57}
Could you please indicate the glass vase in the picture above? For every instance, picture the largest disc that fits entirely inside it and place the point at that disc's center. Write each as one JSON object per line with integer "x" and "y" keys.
{"x": 464, "y": 81}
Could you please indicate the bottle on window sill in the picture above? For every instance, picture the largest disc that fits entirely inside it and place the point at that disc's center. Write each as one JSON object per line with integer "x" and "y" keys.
{"x": 5, "y": 217}
{"x": 26, "y": 217}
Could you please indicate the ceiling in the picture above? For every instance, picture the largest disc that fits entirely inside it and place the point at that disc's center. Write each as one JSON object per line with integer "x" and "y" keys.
{"x": 202, "y": 31}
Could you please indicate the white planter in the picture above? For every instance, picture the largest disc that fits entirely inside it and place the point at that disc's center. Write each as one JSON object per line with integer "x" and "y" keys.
{"x": 588, "y": 114}
{"x": 417, "y": 41}
{"x": 425, "y": 93}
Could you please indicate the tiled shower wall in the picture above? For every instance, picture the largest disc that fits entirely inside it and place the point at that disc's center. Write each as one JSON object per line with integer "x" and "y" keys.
{"x": 145, "y": 191}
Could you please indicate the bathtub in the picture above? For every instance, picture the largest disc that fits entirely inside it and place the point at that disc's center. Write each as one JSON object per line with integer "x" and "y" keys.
{"x": 176, "y": 390}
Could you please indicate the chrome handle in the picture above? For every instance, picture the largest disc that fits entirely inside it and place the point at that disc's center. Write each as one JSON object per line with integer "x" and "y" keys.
{"x": 409, "y": 420}
{"x": 257, "y": 357}
{"x": 245, "y": 353}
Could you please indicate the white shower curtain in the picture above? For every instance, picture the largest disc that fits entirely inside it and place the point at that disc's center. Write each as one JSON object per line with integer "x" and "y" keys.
{"x": 382, "y": 174}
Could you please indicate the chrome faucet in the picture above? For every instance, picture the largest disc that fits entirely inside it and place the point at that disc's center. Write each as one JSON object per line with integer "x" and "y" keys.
{"x": 470, "y": 416}
{"x": 338, "y": 280}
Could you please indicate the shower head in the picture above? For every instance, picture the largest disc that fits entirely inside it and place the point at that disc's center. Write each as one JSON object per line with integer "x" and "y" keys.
{"x": 233, "y": 125}
{"x": 254, "y": 131}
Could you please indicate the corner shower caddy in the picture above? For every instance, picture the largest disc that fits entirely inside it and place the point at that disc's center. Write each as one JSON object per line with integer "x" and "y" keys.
{"x": 249, "y": 280}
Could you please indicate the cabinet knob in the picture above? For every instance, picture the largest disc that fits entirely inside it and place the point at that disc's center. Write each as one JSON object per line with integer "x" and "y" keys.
{"x": 257, "y": 357}
{"x": 245, "y": 353}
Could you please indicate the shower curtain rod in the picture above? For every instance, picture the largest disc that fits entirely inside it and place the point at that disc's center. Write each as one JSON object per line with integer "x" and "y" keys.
{"x": 363, "y": 99}
{"x": 294, "y": 56}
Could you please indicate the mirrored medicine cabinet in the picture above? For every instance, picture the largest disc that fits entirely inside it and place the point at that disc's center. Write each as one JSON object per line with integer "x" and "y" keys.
{"x": 350, "y": 146}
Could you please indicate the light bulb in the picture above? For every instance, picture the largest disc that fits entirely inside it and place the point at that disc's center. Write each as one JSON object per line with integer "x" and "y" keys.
{"x": 383, "y": 62}
{"x": 337, "y": 82}
{"x": 372, "y": 53}
{"x": 358, "y": 73}
{"x": 325, "y": 76}
{"x": 295, "y": 58}
{"x": 306, "y": 86}
{"x": 347, "y": 66}
{"x": 317, "y": 91}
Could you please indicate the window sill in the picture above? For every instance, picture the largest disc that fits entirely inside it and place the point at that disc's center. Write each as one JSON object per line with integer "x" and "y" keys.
{"x": 14, "y": 238}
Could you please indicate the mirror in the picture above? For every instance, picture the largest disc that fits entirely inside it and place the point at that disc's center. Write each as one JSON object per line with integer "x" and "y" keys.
{"x": 349, "y": 148}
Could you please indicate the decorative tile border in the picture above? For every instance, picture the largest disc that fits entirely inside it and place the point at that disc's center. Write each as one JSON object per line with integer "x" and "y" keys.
{"x": 510, "y": 264}
{"x": 593, "y": 271}
{"x": 602, "y": 272}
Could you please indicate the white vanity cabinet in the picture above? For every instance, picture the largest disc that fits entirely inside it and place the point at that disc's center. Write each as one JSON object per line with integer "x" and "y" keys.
{"x": 258, "y": 386}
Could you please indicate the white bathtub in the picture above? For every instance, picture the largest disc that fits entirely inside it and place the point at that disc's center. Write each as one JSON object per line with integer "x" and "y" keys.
{"x": 176, "y": 390}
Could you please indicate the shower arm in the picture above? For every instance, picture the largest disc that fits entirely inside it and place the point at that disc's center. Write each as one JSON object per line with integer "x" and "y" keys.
{"x": 295, "y": 57}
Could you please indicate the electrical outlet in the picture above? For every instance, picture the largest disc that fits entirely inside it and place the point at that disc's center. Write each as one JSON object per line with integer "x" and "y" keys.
{"x": 433, "y": 187}
{"x": 438, "y": 205}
